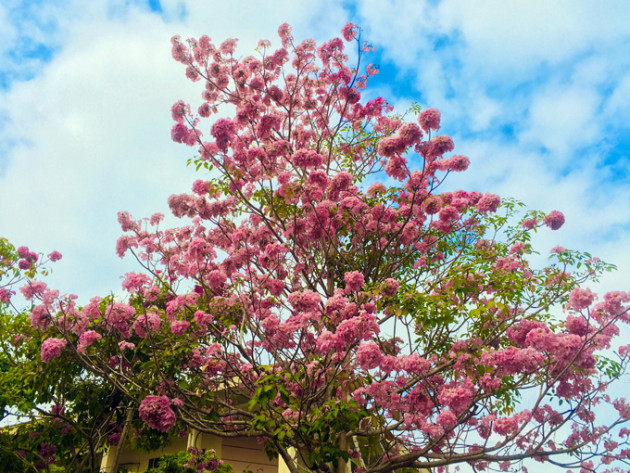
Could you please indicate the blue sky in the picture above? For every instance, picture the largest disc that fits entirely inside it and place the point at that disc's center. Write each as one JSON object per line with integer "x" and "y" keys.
{"x": 536, "y": 93}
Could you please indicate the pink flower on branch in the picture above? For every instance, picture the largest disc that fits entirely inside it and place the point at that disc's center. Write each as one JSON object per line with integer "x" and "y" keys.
{"x": 354, "y": 281}
{"x": 157, "y": 413}
{"x": 51, "y": 348}
{"x": 349, "y": 31}
{"x": 429, "y": 119}
{"x": 554, "y": 220}
{"x": 87, "y": 339}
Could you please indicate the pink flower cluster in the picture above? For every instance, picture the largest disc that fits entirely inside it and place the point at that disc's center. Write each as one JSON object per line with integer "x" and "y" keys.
{"x": 354, "y": 281}
{"x": 429, "y": 119}
{"x": 146, "y": 323}
{"x": 157, "y": 413}
{"x": 86, "y": 339}
{"x": 554, "y": 220}
{"x": 51, "y": 348}
{"x": 27, "y": 257}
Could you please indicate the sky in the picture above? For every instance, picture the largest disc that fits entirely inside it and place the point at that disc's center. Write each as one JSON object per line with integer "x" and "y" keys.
{"x": 535, "y": 93}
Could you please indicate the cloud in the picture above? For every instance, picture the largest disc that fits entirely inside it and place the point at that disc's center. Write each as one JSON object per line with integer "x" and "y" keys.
{"x": 562, "y": 120}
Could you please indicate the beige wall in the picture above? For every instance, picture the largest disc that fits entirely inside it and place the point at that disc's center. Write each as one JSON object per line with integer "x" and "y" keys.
{"x": 242, "y": 453}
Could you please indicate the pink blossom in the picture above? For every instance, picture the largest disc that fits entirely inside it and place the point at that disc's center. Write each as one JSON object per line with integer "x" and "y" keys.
{"x": 318, "y": 179}
{"x": 429, "y": 119}
{"x": 180, "y": 133}
{"x": 146, "y": 323}
{"x": 554, "y": 220}
{"x": 305, "y": 300}
{"x": 179, "y": 111}
{"x": 274, "y": 286}
{"x": 349, "y": 32}
{"x": 152, "y": 293}
{"x": 576, "y": 325}
{"x": 156, "y": 218}
{"x": 304, "y": 158}
{"x": 51, "y": 348}
{"x": 203, "y": 319}
{"x": 457, "y": 396}
{"x": 157, "y": 413}
{"x": 613, "y": 302}
{"x": 622, "y": 407}
{"x": 369, "y": 355}
{"x": 371, "y": 70}
{"x": 87, "y": 339}
{"x": 180, "y": 205}
{"x": 216, "y": 279}
{"x": 488, "y": 203}
{"x": 284, "y": 31}
{"x": 410, "y": 134}
{"x": 440, "y": 145}
{"x": 414, "y": 364}
{"x": 125, "y": 345}
{"x": 505, "y": 425}
{"x": 223, "y": 131}
{"x": 54, "y": 256}
{"x": 40, "y": 317}
{"x": 389, "y": 287}
{"x": 580, "y": 299}
{"x": 24, "y": 252}
{"x": 458, "y": 163}
{"x": 529, "y": 223}
{"x": 24, "y": 264}
{"x": 341, "y": 182}
{"x": 134, "y": 282}
{"x": 200, "y": 187}
{"x": 118, "y": 316}
{"x": 354, "y": 281}
{"x": 391, "y": 146}
{"x": 228, "y": 46}
{"x": 178, "y": 327}
{"x": 376, "y": 188}
{"x": 204, "y": 110}
{"x": 397, "y": 168}
{"x": 5, "y": 295}
{"x": 32, "y": 289}
{"x": 350, "y": 94}
{"x": 266, "y": 125}
{"x": 446, "y": 419}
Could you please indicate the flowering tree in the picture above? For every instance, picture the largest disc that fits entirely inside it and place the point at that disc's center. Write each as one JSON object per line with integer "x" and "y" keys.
{"x": 325, "y": 296}
{"x": 56, "y": 415}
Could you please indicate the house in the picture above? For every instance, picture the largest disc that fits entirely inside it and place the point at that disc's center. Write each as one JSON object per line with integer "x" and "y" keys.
{"x": 243, "y": 453}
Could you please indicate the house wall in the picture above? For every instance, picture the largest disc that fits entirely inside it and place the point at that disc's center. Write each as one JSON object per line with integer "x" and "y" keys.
{"x": 242, "y": 453}
{"x": 245, "y": 453}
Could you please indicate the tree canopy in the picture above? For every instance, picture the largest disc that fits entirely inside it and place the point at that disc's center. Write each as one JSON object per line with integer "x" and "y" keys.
{"x": 325, "y": 295}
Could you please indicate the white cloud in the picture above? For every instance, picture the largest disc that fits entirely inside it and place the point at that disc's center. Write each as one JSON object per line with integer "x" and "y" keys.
{"x": 562, "y": 120}
{"x": 618, "y": 105}
{"x": 514, "y": 35}
{"x": 7, "y": 30}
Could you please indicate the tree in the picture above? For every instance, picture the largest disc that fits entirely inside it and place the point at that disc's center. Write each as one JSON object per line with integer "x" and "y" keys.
{"x": 58, "y": 416}
{"x": 386, "y": 325}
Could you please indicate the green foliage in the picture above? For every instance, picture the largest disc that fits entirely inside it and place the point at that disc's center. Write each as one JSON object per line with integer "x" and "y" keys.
{"x": 190, "y": 462}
